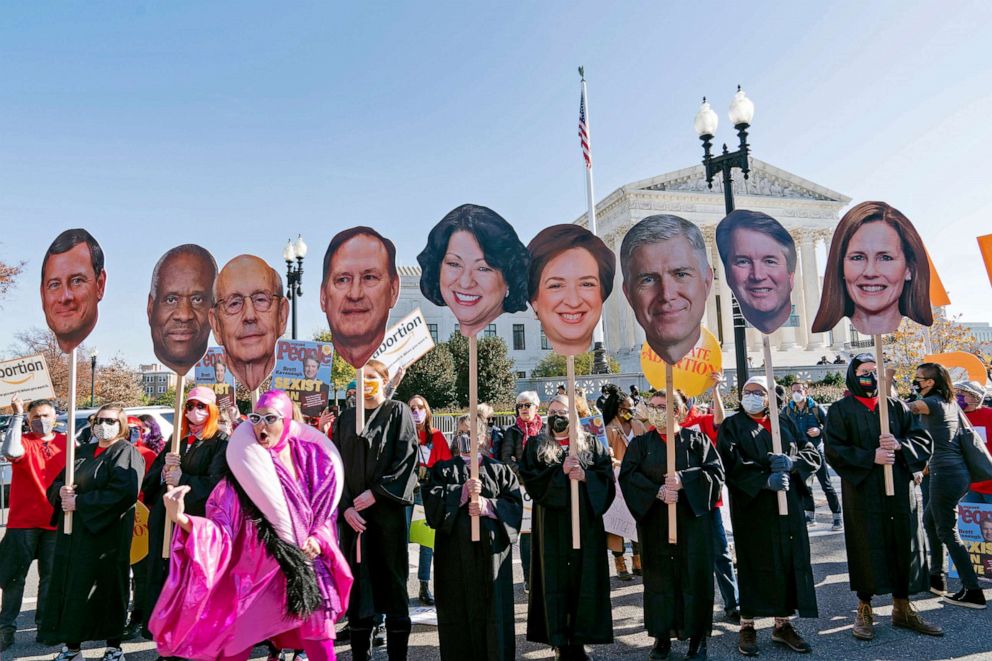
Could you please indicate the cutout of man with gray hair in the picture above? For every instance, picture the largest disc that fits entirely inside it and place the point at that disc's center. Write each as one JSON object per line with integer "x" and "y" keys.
{"x": 179, "y": 300}
{"x": 666, "y": 279}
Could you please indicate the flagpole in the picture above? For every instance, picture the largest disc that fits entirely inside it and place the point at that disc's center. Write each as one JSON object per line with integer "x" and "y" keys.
{"x": 585, "y": 137}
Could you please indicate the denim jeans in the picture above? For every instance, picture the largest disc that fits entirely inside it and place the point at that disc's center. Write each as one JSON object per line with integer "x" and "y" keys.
{"x": 426, "y": 552}
{"x": 947, "y": 487}
{"x": 21, "y": 546}
{"x": 723, "y": 564}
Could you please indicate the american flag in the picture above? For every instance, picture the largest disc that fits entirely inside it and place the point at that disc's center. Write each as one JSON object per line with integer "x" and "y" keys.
{"x": 583, "y": 131}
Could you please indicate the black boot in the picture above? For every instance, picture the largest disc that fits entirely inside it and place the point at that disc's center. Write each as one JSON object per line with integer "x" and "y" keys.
{"x": 426, "y": 598}
{"x": 697, "y": 648}
{"x": 397, "y": 637}
{"x": 361, "y": 642}
{"x": 662, "y": 649}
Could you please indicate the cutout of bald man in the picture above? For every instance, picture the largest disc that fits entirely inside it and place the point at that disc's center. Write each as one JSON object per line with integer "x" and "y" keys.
{"x": 179, "y": 300}
{"x": 248, "y": 317}
{"x": 360, "y": 286}
{"x": 73, "y": 280}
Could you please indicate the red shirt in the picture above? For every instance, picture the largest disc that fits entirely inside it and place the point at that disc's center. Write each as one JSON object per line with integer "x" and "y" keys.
{"x": 704, "y": 423}
{"x": 439, "y": 448}
{"x": 982, "y": 417}
{"x": 32, "y": 474}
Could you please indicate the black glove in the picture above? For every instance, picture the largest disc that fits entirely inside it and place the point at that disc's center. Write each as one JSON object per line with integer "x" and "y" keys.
{"x": 778, "y": 482}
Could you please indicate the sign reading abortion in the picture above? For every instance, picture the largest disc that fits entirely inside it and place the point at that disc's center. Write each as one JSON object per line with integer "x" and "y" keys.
{"x": 26, "y": 377}
{"x": 405, "y": 343}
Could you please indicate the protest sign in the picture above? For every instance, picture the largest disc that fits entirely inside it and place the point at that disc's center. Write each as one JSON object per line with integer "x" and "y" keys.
{"x": 303, "y": 370}
{"x": 139, "y": 539}
{"x": 618, "y": 520}
{"x": 594, "y": 425}
{"x": 525, "y": 522}
{"x": 405, "y": 342}
{"x": 27, "y": 377}
{"x": 420, "y": 532}
{"x": 975, "y": 529}
{"x": 961, "y": 365}
{"x": 211, "y": 371}
{"x": 693, "y": 373}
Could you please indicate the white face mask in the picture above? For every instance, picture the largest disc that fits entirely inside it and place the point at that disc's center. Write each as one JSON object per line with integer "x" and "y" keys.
{"x": 104, "y": 431}
{"x": 798, "y": 397}
{"x": 753, "y": 403}
{"x": 198, "y": 416}
{"x": 419, "y": 416}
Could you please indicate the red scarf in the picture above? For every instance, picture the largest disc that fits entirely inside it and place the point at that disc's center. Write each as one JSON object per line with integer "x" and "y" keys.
{"x": 871, "y": 403}
{"x": 530, "y": 429}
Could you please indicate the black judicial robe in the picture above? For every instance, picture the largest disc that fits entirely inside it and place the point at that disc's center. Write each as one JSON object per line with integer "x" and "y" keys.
{"x": 678, "y": 579}
{"x": 90, "y": 584}
{"x": 569, "y": 589}
{"x": 473, "y": 581}
{"x": 773, "y": 558}
{"x": 884, "y": 538}
{"x": 203, "y": 463}
{"x": 385, "y": 461}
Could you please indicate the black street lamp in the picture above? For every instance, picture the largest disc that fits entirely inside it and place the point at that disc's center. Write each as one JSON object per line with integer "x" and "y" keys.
{"x": 741, "y": 113}
{"x": 294, "y": 276}
{"x": 93, "y": 378}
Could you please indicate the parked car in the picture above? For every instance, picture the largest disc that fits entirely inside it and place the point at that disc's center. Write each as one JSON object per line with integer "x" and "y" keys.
{"x": 163, "y": 416}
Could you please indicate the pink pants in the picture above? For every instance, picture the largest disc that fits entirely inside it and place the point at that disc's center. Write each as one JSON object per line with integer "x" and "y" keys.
{"x": 317, "y": 650}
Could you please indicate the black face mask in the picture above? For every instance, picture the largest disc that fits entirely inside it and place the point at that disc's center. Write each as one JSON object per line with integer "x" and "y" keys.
{"x": 869, "y": 382}
{"x": 916, "y": 386}
{"x": 558, "y": 423}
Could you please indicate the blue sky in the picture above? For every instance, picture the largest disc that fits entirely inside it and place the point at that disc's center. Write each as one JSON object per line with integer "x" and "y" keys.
{"x": 238, "y": 124}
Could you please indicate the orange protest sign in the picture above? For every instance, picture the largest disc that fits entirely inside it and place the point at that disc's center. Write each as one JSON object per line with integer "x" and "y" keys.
{"x": 962, "y": 365}
{"x": 692, "y": 373}
{"x": 139, "y": 540}
{"x": 985, "y": 245}
{"x": 938, "y": 294}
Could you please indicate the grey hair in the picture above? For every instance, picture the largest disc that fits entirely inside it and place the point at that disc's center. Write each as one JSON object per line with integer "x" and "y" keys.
{"x": 530, "y": 397}
{"x": 658, "y": 228}
{"x": 185, "y": 249}
{"x": 561, "y": 399}
{"x": 480, "y": 423}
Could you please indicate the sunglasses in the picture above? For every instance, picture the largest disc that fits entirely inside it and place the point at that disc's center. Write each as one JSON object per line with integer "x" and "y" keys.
{"x": 106, "y": 421}
{"x": 525, "y": 406}
{"x": 269, "y": 418}
{"x": 193, "y": 404}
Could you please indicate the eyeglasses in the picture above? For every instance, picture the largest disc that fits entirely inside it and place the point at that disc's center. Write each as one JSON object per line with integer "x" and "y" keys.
{"x": 106, "y": 421}
{"x": 269, "y": 418}
{"x": 235, "y": 303}
{"x": 525, "y": 405}
{"x": 193, "y": 404}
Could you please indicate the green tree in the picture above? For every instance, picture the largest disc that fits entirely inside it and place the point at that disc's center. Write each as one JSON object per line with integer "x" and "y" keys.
{"x": 554, "y": 365}
{"x": 433, "y": 377}
{"x": 341, "y": 372}
{"x": 497, "y": 380}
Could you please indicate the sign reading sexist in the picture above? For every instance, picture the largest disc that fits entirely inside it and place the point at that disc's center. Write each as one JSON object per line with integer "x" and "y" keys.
{"x": 303, "y": 370}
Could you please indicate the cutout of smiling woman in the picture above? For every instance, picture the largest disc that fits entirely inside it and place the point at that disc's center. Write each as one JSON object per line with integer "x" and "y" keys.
{"x": 474, "y": 264}
{"x": 759, "y": 260}
{"x": 876, "y": 274}
{"x": 570, "y": 277}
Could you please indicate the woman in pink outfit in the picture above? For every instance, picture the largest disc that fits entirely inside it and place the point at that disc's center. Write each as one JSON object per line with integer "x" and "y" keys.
{"x": 264, "y": 563}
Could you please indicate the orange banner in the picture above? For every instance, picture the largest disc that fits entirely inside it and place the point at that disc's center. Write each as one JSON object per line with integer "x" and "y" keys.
{"x": 985, "y": 245}
{"x": 938, "y": 295}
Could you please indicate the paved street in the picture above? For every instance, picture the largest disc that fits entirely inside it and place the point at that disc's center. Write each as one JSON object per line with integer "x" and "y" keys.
{"x": 968, "y": 631}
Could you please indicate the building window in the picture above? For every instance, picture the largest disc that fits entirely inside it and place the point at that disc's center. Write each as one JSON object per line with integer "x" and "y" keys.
{"x": 161, "y": 390}
{"x": 490, "y": 331}
{"x": 518, "y": 338}
{"x": 544, "y": 341}
{"x": 521, "y": 375}
{"x": 433, "y": 331}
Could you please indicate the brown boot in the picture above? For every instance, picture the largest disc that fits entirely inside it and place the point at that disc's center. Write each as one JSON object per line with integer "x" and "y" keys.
{"x": 622, "y": 572}
{"x": 636, "y": 564}
{"x": 864, "y": 623}
{"x": 906, "y": 617}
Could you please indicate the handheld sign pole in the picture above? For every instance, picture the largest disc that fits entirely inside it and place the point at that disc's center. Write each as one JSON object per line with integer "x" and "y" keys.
{"x": 883, "y": 410}
{"x": 70, "y": 445}
{"x": 573, "y": 449}
{"x": 359, "y": 401}
{"x": 773, "y": 409}
{"x": 473, "y": 417}
{"x": 176, "y": 431}
{"x": 673, "y": 535}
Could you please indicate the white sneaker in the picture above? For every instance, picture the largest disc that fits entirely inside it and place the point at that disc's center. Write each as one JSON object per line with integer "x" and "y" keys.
{"x": 113, "y": 654}
{"x": 69, "y": 655}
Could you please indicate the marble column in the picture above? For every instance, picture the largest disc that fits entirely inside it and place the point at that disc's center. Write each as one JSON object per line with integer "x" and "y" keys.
{"x": 801, "y": 332}
{"x": 710, "y": 319}
{"x": 811, "y": 287}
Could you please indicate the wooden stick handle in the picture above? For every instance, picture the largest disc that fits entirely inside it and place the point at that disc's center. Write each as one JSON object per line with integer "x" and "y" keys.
{"x": 358, "y": 549}
{"x": 70, "y": 445}
{"x": 673, "y": 528}
{"x": 883, "y": 410}
{"x": 773, "y": 409}
{"x": 473, "y": 417}
{"x": 573, "y": 449}
{"x": 177, "y": 426}
{"x": 359, "y": 400}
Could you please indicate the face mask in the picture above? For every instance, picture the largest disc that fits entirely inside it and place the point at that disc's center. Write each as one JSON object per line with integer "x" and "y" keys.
{"x": 558, "y": 423}
{"x": 962, "y": 402}
{"x": 798, "y": 397}
{"x": 626, "y": 415}
{"x": 916, "y": 386}
{"x": 753, "y": 403}
{"x": 868, "y": 382}
{"x": 198, "y": 416}
{"x": 41, "y": 426}
{"x": 371, "y": 388}
{"x": 463, "y": 443}
{"x": 105, "y": 432}
{"x": 658, "y": 418}
{"x": 419, "y": 416}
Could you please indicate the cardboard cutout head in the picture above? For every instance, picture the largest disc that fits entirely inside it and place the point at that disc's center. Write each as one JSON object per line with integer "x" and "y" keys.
{"x": 759, "y": 260}
{"x": 72, "y": 285}
{"x": 180, "y": 297}
{"x": 877, "y": 272}
{"x": 474, "y": 264}
{"x": 570, "y": 277}
{"x": 248, "y": 316}
{"x": 360, "y": 286}
{"x": 666, "y": 279}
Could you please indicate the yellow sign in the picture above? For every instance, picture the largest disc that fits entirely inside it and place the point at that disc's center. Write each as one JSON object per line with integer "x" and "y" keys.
{"x": 962, "y": 365}
{"x": 139, "y": 541}
{"x": 692, "y": 373}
